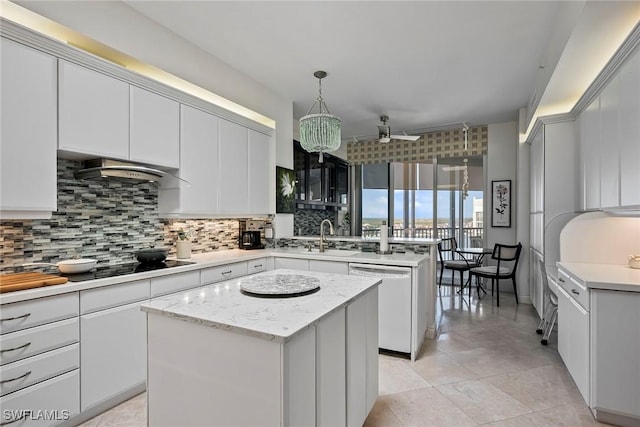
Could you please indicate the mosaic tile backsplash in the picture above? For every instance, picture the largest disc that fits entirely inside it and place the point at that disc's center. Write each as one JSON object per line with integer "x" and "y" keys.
{"x": 107, "y": 220}
{"x": 306, "y": 222}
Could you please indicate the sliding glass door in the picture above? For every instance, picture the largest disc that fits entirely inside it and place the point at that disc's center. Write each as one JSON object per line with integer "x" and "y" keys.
{"x": 444, "y": 198}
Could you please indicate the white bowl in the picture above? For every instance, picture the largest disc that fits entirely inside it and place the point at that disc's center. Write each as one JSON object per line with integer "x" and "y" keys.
{"x": 634, "y": 262}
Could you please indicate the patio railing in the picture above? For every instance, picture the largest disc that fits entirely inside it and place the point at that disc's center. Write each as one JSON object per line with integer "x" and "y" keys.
{"x": 471, "y": 236}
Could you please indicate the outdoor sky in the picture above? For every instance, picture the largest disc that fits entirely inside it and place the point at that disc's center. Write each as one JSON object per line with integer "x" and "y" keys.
{"x": 374, "y": 203}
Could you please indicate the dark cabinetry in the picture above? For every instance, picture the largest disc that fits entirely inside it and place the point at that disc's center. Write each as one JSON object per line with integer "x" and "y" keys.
{"x": 320, "y": 184}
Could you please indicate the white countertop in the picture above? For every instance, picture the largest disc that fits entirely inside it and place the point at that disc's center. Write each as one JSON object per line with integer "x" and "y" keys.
{"x": 217, "y": 258}
{"x": 605, "y": 276}
{"x": 406, "y": 240}
{"x": 223, "y": 306}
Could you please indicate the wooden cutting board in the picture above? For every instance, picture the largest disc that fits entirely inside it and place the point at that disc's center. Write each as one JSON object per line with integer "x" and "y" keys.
{"x": 20, "y": 281}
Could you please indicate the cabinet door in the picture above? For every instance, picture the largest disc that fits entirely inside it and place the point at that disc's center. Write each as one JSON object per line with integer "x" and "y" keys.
{"x": 93, "y": 112}
{"x": 357, "y": 362}
{"x": 113, "y": 356}
{"x": 630, "y": 131}
{"x": 233, "y": 175}
{"x": 615, "y": 348}
{"x": 610, "y": 156}
{"x": 536, "y": 287}
{"x": 329, "y": 266}
{"x": 573, "y": 341}
{"x": 198, "y": 166}
{"x": 590, "y": 154}
{"x": 259, "y": 173}
{"x": 154, "y": 136}
{"x": 331, "y": 396}
{"x": 292, "y": 264}
{"x": 28, "y": 115}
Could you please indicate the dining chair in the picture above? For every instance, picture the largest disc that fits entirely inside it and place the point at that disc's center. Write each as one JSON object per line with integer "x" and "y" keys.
{"x": 507, "y": 257}
{"x": 461, "y": 264}
{"x": 550, "y": 307}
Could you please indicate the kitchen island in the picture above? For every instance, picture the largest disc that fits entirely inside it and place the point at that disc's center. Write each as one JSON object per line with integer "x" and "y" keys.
{"x": 219, "y": 356}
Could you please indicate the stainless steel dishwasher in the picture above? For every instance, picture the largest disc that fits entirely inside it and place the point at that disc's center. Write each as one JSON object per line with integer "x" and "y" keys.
{"x": 394, "y": 304}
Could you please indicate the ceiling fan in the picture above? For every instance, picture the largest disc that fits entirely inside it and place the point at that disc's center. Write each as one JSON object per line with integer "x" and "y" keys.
{"x": 384, "y": 132}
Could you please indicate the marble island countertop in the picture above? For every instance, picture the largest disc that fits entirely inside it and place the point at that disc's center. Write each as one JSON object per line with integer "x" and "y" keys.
{"x": 224, "y": 306}
{"x": 605, "y": 276}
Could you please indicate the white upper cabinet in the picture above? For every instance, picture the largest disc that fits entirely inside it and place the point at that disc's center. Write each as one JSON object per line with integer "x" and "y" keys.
{"x": 28, "y": 132}
{"x": 154, "y": 129}
{"x": 198, "y": 166}
{"x": 590, "y": 153}
{"x": 233, "y": 171}
{"x": 93, "y": 112}
{"x": 259, "y": 168}
{"x": 630, "y": 132}
{"x": 610, "y": 144}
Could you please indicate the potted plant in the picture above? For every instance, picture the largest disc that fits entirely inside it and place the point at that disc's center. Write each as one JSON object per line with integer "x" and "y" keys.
{"x": 183, "y": 245}
{"x": 346, "y": 224}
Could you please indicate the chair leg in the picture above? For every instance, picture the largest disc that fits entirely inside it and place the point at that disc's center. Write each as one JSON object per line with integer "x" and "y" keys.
{"x": 461, "y": 283}
{"x": 441, "y": 273}
{"x": 491, "y": 287}
{"x": 498, "y": 291}
{"x": 515, "y": 288}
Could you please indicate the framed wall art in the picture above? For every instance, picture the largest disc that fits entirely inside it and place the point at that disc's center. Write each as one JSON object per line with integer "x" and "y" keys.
{"x": 501, "y": 203}
{"x": 285, "y": 190}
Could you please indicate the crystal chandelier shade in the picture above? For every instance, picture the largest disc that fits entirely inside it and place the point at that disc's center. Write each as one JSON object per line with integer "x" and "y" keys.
{"x": 320, "y": 132}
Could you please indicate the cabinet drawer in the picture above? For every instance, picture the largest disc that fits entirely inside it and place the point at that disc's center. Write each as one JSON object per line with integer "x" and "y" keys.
{"x": 24, "y": 373}
{"x": 22, "y": 344}
{"x": 26, "y": 314}
{"x": 174, "y": 283}
{"x": 59, "y": 397}
{"x": 225, "y": 272}
{"x": 112, "y": 296}
{"x": 256, "y": 265}
{"x": 574, "y": 288}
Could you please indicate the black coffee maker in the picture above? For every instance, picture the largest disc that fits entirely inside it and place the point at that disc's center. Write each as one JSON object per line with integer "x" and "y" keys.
{"x": 250, "y": 240}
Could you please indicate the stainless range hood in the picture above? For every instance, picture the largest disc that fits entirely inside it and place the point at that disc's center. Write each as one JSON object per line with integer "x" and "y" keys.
{"x": 107, "y": 168}
{"x": 134, "y": 172}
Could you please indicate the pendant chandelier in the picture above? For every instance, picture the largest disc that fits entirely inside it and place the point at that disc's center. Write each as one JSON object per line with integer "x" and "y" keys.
{"x": 320, "y": 132}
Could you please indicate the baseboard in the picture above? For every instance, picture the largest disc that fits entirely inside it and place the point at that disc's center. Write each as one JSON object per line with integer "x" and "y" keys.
{"x": 617, "y": 419}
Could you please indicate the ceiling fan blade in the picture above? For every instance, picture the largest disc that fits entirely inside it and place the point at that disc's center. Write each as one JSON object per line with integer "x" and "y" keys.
{"x": 406, "y": 137}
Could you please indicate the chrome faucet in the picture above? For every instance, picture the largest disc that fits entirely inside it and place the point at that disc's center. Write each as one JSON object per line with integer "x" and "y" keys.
{"x": 322, "y": 238}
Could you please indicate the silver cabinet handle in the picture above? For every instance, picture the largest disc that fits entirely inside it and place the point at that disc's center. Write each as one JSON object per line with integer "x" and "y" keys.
{"x": 224, "y": 273}
{"x": 16, "y": 348}
{"x": 26, "y": 374}
{"x": 257, "y": 266}
{"x": 560, "y": 279}
{"x": 573, "y": 291}
{"x": 24, "y": 316}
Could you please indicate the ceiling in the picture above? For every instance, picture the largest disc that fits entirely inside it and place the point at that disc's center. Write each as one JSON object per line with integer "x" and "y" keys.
{"x": 425, "y": 64}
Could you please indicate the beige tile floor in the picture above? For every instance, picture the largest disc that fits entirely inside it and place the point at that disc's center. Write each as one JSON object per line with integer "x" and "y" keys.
{"x": 487, "y": 367}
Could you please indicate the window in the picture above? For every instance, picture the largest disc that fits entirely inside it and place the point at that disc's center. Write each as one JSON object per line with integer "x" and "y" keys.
{"x": 409, "y": 195}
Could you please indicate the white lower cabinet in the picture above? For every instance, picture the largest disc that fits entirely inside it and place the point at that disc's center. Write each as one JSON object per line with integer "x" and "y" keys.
{"x": 174, "y": 283}
{"x": 114, "y": 353}
{"x": 257, "y": 265}
{"x": 113, "y": 329}
{"x": 573, "y": 340}
{"x": 328, "y": 266}
{"x": 43, "y": 404}
{"x": 292, "y": 264}
{"x": 615, "y": 347}
{"x": 331, "y": 401}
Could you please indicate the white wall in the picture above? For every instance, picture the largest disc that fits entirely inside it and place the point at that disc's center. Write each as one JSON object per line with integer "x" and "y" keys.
{"x": 122, "y": 28}
{"x": 503, "y": 163}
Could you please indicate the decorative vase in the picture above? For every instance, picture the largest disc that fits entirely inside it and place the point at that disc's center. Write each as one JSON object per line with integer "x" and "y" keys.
{"x": 183, "y": 249}
{"x": 634, "y": 261}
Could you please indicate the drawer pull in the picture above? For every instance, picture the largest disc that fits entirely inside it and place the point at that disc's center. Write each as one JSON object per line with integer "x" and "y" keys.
{"x": 560, "y": 279}
{"x": 224, "y": 273}
{"x": 257, "y": 266}
{"x": 573, "y": 291}
{"x": 24, "y": 316}
{"x": 16, "y": 348}
{"x": 26, "y": 374}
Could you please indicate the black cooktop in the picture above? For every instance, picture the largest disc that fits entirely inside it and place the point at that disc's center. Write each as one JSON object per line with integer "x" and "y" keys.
{"x": 122, "y": 269}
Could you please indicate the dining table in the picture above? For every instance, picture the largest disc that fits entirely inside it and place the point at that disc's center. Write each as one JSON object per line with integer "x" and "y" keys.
{"x": 474, "y": 256}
